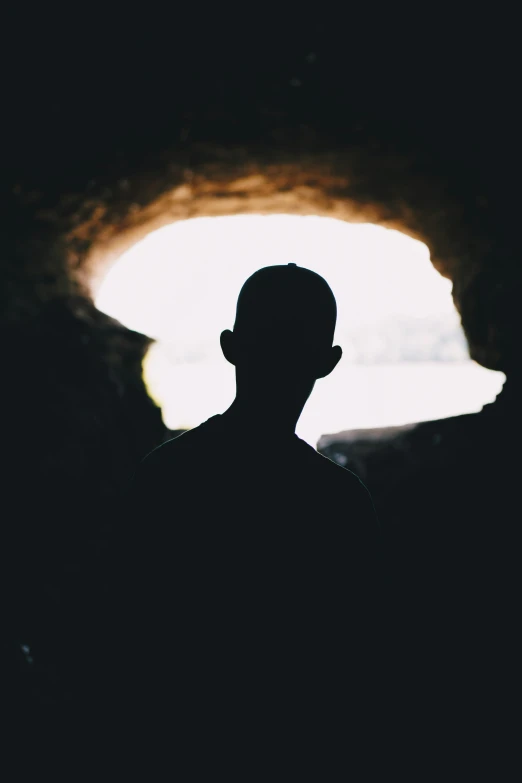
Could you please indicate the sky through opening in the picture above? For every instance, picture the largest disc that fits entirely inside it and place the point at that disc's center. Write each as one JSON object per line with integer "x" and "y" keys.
{"x": 405, "y": 355}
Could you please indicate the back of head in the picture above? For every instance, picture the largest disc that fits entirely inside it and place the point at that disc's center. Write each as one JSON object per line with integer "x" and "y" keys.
{"x": 285, "y": 307}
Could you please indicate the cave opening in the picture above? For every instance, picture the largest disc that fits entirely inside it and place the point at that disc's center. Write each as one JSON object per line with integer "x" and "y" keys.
{"x": 405, "y": 354}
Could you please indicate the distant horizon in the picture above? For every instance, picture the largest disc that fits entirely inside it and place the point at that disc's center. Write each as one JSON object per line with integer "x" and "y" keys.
{"x": 415, "y": 391}
{"x": 413, "y": 339}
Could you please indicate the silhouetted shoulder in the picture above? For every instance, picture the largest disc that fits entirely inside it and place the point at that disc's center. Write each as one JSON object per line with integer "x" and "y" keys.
{"x": 335, "y": 472}
{"x": 344, "y": 483}
{"x": 175, "y": 454}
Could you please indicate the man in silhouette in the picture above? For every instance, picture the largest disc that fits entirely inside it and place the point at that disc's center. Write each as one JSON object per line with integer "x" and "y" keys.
{"x": 253, "y": 561}
{"x": 248, "y": 462}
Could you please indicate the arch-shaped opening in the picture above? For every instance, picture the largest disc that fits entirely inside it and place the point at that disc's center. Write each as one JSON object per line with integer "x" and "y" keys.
{"x": 405, "y": 354}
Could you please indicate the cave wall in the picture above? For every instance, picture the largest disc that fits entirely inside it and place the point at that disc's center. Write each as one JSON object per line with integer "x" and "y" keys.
{"x": 117, "y": 127}
{"x": 121, "y": 144}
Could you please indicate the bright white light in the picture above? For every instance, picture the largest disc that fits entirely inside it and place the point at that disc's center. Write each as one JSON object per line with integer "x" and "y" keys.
{"x": 405, "y": 357}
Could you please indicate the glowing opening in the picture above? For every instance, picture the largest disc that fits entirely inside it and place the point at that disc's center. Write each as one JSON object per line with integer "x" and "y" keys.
{"x": 405, "y": 354}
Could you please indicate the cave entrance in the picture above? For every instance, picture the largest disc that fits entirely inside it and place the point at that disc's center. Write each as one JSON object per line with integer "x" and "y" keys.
{"x": 405, "y": 354}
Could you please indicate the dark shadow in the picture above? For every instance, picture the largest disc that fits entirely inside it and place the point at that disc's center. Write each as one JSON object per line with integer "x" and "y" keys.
{"x": 249, "y": 588}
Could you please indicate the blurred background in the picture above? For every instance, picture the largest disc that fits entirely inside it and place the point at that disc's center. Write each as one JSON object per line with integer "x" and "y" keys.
{"x": 405, "y": 356}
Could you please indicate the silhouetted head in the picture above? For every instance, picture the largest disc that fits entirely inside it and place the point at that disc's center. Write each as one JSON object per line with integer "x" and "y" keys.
{"x": 284, "y": 327}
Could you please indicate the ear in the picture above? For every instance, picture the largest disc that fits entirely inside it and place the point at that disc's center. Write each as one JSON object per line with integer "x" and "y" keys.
{"x": 228, "y": 346}
{"x": 331, "y": 361}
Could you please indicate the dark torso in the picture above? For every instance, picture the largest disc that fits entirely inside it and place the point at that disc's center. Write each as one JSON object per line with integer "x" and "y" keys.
{"x": 218, "y": 472}
{"x": 254, "y": 568}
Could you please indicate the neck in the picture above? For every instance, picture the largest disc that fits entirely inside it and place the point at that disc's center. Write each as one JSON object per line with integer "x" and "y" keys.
{"x": 265, "y": 421}
{"x": 270, "y": 413}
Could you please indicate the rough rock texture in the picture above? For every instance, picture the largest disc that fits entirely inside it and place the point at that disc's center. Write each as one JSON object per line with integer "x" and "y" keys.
{"x": 76, "y": 420}
{"x": 114, "y": 128}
